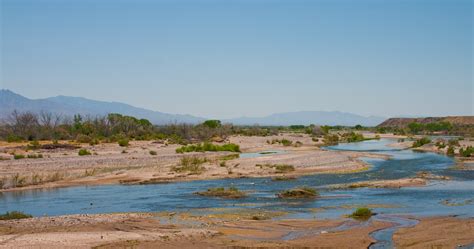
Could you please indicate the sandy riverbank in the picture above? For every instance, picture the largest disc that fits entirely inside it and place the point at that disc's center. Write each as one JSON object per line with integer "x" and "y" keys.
{"x": 112, "y": 164}
{"x": 146, "y": 230}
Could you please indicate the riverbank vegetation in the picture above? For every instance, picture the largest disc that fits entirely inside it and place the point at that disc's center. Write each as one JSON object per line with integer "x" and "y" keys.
{"x": 362, "y": 213}
{"x": 14, "y": 215}
{"x": 229, "y": 193}
{"x": 191, "y": 165}
{"x": 299, "y": 193}
{"x": 208, "y": 147}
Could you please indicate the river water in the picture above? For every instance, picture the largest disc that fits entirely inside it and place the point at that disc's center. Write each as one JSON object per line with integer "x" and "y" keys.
{"x": 454, "y": 197}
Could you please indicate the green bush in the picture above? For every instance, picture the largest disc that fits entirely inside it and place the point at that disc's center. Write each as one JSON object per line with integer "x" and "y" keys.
{"x": 14, "y": 215}
{"x": 362, "y": 213}
{"x": 208, "y": 147}
{"x": 123, "y": 142}
{"x": 450, "y": 151}
{"x": 230, "y": 193}
{"x": 298, "y": 193}
{"x": 468, "y": 152}
{"x": 153, "y": 153}
{"x": 18, "y": 156}
{"x": 212, "y": 124}
{"x": 84, "y": 152}
{"x": 420, "y": 142}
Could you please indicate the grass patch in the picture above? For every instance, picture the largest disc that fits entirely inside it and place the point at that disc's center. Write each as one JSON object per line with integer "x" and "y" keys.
{"x": 299, "y": 193}
{"x": 191, "y": 164}
{"x": 229, "y": 193}
{"x": 35, "y": 156}
{"x": 229, "y": 157}
{"x": 208, "y": 147}
{"x": 153, "y": 153}
{"x": 362, "y": 213}
{"x": 14, "y": 215}
{"x": 84, "y": 152}
{"x": 18, "y": 156}
{"x": 284, "y": 178}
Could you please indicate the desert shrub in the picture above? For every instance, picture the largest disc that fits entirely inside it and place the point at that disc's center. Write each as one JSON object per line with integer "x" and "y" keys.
{"x": 35, "y": 156}
{"x": 450, "y": 151}
{"x": 34, "y": 145}
{"x": 331, "y": 139}
{"x": 191, "y": 164}
{"x": 467, "y": 152}
{"x": 230, "y": 193}
{"x": 352, "y": 137}
{"x": 283, "y": 178}
{"x": 12, "y": 138}
{"x": 18, "y": 156}
{"x": 453, "y": 142}
{"x": 153, "y": 153}
{"x": 279, "y": 168}
{"x": 300, "y": 192}
{"x": 362, "y": 213}
{"x": 14, "y": 215}
{"x": 208, "y": 147}
{"x": 94, "y": 141}
{"x": 286, "y": 142}
{"x": 81, "y": 138}
{"x": 420, "y": 142}
{"x": 123, "y": 142}
{"x": 84, "y": 152}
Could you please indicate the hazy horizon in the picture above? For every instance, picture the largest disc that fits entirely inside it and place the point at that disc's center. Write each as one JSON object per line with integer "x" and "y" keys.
{"x": 244, "y": 58}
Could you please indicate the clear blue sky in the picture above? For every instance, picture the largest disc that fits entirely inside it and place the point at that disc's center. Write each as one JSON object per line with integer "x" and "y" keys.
{"x": 225, "y": 58}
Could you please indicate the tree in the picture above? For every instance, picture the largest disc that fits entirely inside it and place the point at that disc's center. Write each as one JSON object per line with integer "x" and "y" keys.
{"x": 213, "y": 123}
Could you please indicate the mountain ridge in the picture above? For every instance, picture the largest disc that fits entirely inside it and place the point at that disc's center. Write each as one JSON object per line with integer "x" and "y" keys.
{"x": 67, "y": 105}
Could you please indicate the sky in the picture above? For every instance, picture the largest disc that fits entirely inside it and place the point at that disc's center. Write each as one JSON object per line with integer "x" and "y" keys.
{"x": 232, "y": 58}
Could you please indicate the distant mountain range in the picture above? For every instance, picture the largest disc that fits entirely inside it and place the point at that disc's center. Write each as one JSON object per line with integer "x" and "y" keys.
{"x": 68, "y": 106}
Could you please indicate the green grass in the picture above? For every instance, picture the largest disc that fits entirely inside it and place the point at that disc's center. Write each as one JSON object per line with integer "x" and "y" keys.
{"x": 14, "y": 215}
{"x": 18, "y": 156}
{"x": 299, "y": 193}
{"x": 230, "y": 193}
{"x": 84, "y": 152}
{"x": 208, "y": 147}
{"x": 362, "y": 213}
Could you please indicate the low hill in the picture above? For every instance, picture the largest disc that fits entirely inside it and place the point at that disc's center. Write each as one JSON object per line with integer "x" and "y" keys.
{"x": 403, "y": 122}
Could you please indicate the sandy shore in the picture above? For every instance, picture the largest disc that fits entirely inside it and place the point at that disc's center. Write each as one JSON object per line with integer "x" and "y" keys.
{"x": 112, "y": 164}
{"x": 439, "y": 232}
{"x": 147, "y": 230}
